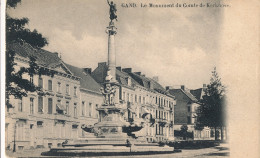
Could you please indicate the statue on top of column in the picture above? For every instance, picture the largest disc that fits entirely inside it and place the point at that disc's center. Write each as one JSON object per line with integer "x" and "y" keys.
{"x": 112, "y": 10}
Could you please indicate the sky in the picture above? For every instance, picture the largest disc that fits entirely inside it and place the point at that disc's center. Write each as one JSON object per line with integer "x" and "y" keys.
{"x": 179, "y": 45}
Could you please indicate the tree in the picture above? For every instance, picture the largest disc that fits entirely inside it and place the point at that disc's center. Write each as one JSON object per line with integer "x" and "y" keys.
{"x": 16, "y": 31}
{"x": 212, "y": 108}
{"x": 184, "y": 131}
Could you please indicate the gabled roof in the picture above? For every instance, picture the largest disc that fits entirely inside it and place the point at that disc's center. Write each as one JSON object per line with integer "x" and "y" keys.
{"x": 43, "y": 57}
{"x": 188, "y": 94}
{"x": 197, "y": 93}
{"x": 86, "y": 80}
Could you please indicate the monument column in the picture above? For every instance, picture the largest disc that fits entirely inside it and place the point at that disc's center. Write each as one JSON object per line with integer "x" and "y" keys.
{"x": 111, "y": 31}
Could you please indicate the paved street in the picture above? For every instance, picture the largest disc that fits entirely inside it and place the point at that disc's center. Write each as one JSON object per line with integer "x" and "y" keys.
{"x": 214, "y": 152}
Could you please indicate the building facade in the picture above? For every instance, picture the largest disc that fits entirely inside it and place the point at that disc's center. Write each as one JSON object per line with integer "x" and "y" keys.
{"x": 48, "y": 120}
{"x": 185, "y": 112}
{"x": 144, "y": 97}
{"x": 70, "y": 99}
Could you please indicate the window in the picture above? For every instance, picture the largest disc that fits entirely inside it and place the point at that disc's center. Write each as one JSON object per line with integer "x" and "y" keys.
{"x": 96, "y": 111}
{"x": 189, "y": 119}
{"x": 156, "y": 100}
{"x": 40, "y": 82}
{"x": 156, "y": 129}
{"x": 31, "y": 79}
{"x": 67, "y": 89}
{"x": 83, "y": 108}
{"x": 74, "y": 126}
{"x": 39, "y": 124}
{"x": 50, "y": 106}
{"x": 132, "y": 98}
{"x": 140, "y": 99}
{"x": 128, "y": 97}
{"x": 188, "y": 108}
{"x": 31, "y": 105}
{"x": 59, "y": 107}
{"x": 75, "y": 91}
{"x": 58, "y": 87}
{"x": 90, "y": 109}
{"x": 50, "y": 85}
{"x": 67, "y": 107}
{"x": 136, "y": 98}
{"x": 20, "y": 105}
{"x": 144, "y": 100}
{"x": 75, "y": 109}
{"x": 40, "y": 104}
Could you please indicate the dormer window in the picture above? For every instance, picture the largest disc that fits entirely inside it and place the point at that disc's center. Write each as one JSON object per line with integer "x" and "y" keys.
{"x": 128, "y": 80}
{"x": 150, "y": 84}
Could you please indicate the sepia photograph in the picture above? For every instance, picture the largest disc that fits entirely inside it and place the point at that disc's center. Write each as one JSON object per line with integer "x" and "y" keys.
{"x": 124, "y": 78}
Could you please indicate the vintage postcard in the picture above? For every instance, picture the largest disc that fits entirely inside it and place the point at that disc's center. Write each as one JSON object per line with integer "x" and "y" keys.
{"x": 134, "y": 78}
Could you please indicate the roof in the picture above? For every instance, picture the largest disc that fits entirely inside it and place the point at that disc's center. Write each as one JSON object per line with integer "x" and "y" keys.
{"x": 43, "y": 57}
{"x": 149, "y": 83}
{"x": 188, "y": 94}
{"x": 121, "y": 76}
{"x": 86, "y": 80}
{"x": 197, "y": 93}
{"x": 52, "y": 60}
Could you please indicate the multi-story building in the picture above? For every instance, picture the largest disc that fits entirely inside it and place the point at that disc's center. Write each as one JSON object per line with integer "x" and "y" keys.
{"x": 71, "y": 97}
{"x": 143, "y": 95}
{"x": 48, "y": 120}
{"x": 186, "y": 109}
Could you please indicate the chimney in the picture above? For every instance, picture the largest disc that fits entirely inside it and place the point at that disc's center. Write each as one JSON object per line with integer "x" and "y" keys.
{"x": 87, "y": 70}
{"x": 143, "y": 75}
{"x": 138, "y": 73}
{"x": 119, "y": 68}
{"x": 156, "y": 78}
{"x": 127, "y": 70}
{"x": 168, "y": 87}
{"x": 102, "y": 64}
{"x": 182, "y": 87}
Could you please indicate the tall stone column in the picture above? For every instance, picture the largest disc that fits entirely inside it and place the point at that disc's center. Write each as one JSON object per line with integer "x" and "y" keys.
{"x": 111, "y": 31}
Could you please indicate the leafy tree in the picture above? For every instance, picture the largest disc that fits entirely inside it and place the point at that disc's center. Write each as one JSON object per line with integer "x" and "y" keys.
{"x": 184, "y": 131}
{"x": 211, "y": 113}
{"x": 16, "y": 31}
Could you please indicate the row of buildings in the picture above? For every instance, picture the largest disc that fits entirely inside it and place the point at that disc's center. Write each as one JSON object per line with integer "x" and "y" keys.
{"x": 72, "y": 96}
